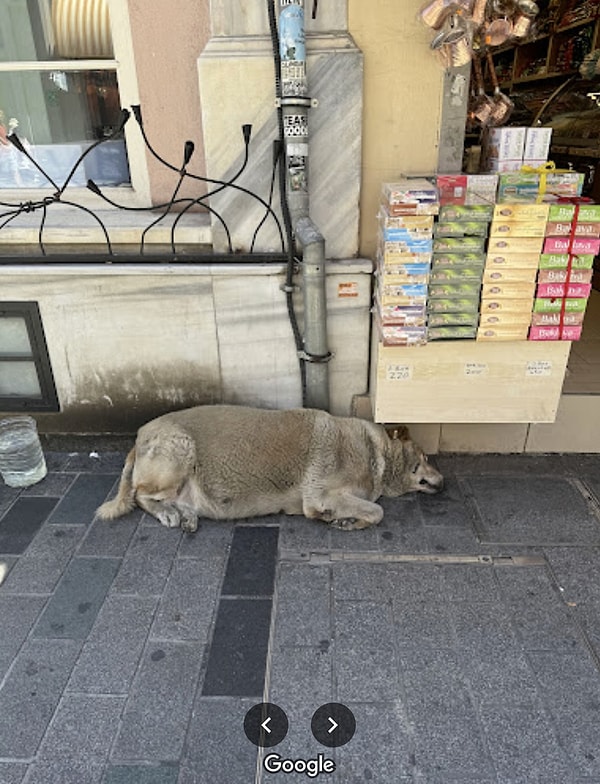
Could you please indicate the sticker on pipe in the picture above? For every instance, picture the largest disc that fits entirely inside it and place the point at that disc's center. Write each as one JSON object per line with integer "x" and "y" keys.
{"x": 295, "y": 125}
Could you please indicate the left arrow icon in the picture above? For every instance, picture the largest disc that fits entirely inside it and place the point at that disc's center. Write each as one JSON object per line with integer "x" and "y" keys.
{"x": 264, "y": 725}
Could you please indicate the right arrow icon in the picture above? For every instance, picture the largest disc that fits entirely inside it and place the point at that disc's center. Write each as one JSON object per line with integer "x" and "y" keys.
{"x": 333, "y": 724}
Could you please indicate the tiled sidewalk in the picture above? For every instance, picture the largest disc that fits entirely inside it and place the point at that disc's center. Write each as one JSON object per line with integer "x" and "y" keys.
{"x": 463, "y": 633}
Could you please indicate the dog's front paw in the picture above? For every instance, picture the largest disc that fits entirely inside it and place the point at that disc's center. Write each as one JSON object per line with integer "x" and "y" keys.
{"x": 189, "y": 524}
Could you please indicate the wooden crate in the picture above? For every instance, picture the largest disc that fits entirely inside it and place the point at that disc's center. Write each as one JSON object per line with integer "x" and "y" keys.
{"x": 468, "y": 381}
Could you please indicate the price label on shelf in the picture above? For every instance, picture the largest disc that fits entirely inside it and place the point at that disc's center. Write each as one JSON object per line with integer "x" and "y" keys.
{"x": 398, "y": 372}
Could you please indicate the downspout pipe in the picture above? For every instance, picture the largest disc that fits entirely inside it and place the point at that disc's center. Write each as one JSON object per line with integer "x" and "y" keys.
{"x": 295, "y": 105}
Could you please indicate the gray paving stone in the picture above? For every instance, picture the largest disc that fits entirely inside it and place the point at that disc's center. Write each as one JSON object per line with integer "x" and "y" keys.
{"x": 17, "y": 616}
{"x": 40, "y": 569}
{"x": 448, "y": 508}
{"x": 64, "y": 771}
{"x": 499, "y": 677}
{"x": 141, "y": 774}
{"x": 31, "y": 692}
{"x": 482, "y": 627}
{"x": 576, "y": 570}
{"x": 365, "y": 663}
{"x": 8, "y": 495}
{"x": 148, "y": 560}
{"x": 380, "y": 749}
{"x": 189, "y": 601}
{"x": 303, "y": 607}
{"x": 500, "y": 464}
{"x": 252, "y": 561}
{"x": 419, "y": 625}
{"x": 87, "y": 492}
{"x": 211, "y": 540}
{"x": 53, "y": 484}
{"x": 82, "y": 729}
{"x": 546, "y": 628}
{"x": 523, "y": 743}
{"x": 301, "y": 681}
{"x": 533, "y": 510}
{"x": 22, "y": 521}
{"x": 470, "y": 583}
{"x": 159, "y": 707}
{"x": 73, "y": 608}
{"x": 365, "y": 540}
{"x": 216, "y": 747}
{"x": 362, "y": 581}
{"x": 110, "y": 538}
{"x": 12, "y": 772}
{"x": 408, "y": 536}
{"x": 298, "y": 534}
{"x": 96, "y": 461}
{"x": 111, "y": 653}
{"x": 238, "y": 653}
{"x": 417, "y": 581}
{"x": 570, "y": 688}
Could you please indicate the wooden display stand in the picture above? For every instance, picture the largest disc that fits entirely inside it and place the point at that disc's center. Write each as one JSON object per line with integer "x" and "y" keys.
{"x": 468, "y": 381}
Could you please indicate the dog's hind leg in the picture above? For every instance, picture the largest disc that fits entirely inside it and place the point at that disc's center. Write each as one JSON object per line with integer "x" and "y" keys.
{"x": 344, "y": 510}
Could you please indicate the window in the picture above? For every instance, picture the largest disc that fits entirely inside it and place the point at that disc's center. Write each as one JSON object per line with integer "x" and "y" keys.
{"x": 26, "y": 381}
{"x": 61, "y": 90}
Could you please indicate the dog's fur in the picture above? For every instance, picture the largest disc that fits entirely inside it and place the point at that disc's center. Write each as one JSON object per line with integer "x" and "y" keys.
{"x": 230, "y": 462}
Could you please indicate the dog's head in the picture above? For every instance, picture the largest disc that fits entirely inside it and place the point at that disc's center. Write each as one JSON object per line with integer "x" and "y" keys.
{"x": 407, "y": 469}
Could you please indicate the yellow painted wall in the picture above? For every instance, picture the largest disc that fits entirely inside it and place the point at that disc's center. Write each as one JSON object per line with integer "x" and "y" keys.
{"x": 402, "y": 99}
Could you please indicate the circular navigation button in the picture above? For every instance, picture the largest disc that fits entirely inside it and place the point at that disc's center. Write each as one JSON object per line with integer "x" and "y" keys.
{"x": 265, "y": 724}
{"x": 333, "y": 724}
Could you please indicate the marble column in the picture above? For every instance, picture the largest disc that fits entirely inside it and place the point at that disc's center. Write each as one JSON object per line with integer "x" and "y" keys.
{"x": 237, "y": 86}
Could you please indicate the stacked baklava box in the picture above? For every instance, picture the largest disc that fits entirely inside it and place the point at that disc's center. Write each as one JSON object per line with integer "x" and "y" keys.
{"x": 509, "y": 278}
{"x": 405, "y": 245}
{"x": 572, "y": 239}
{"x": 459, "y": 243}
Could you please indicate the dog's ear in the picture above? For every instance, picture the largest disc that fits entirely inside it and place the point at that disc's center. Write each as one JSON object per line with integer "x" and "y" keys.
{"x": 398, "y": 432}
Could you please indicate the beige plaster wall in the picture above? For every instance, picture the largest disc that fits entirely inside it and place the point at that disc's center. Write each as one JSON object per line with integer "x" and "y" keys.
{"x": 403, "y": 86}
{"x": 168, "y": 38}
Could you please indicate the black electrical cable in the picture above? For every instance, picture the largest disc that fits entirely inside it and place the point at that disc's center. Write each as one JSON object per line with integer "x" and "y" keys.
{"x": 285, "y": 209}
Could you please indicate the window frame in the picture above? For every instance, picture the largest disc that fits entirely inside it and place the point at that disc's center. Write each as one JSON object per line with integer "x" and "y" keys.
{"x": 30, "y": 312}
{"x": 137, "y": 194}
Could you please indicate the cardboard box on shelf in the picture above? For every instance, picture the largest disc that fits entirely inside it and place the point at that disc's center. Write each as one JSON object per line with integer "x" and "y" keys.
{"x": 508, "y": 305}
{"x": 505, "y": 319}
{"x": 554, "y": 319}
{"x": 562, "y": 261}
{"x": 510, "y": 274}
{"x": 560, "y": 275}
{"x": 574, "y": 245}
{"x": 518, "y": 290}
{"x": 537, "y": 144}
{"x": 512, "y": 228}
{"x": 555, "y": 333}
{"x": 456, "y": 274}
{"x": 571, "y": 290}
{"x": 515, "y": 244}
{"x": 504, "y": 332}
{"x": 527, "y": 212}
{"x": 505, "y": 143}
{"x": 469, "y": 213}
{"x": 454, "y": 305}
{"x": 506, "y": 260}
{"x": 453, "y": 332}
{"x": 410, "y": 222}
{"x": 566, "y": 229}
{"x": 559, "y": 305}
{"x": 458, "y": 260}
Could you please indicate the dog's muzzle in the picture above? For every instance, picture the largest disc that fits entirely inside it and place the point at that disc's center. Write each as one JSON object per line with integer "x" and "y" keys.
{"x": 425, "y": 486}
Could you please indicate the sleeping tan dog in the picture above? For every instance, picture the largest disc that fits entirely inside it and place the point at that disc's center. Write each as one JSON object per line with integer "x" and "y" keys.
{"x": 229, "y": 462}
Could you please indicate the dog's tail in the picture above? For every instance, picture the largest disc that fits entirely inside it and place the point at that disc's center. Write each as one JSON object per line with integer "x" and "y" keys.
{"x": 124, "y": 501}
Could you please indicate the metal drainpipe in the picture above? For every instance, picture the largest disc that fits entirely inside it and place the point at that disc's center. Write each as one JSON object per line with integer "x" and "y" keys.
{"x": 295, "y": 104}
